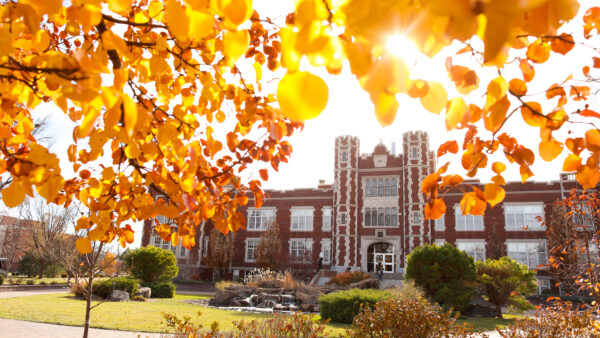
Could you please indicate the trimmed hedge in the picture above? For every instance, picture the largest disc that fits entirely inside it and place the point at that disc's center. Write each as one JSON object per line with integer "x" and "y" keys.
{"x": 342, "y": 306}
{"x": 161, "y": 289}
{"x": 103, "y": 288}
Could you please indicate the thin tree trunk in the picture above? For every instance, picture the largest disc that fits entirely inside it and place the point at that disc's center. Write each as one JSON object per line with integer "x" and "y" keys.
{"x": 88, "y": 304}
{"x": 42, "y": 268}
{"x": 499, "y": 311}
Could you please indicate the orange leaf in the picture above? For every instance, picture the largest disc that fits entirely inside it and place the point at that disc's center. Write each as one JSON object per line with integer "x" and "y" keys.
{"x": 449, "y": 146}
{"x": 457, "y": 114}
{"x": 13, "y": 195}
{"x": 451, "y": 180}
{"x": 526, "y": 173}
{"x": 563, "y": 43}
{"x": 517, "y": 87}
{"x": 472, "y": 204}
{"x": 418, "y": 89}
{"x": 555, "y": 90}
{"x": 579, "y": 93}
{"x": 83, "y": 245}
{"x": 264, "y": 174}
{"x": 436, "y": 98}
{"x": 592, "y": 140}
{"x": 538, "y": 51}
{"x": 527, "y": 70}
{"x": 575, "y": 145}
{"x": 532, "y": 114}
{"x": 430, "y": 183}
{"x": 549, "y": 150}
{"x": 498, "y": 167}
{"x": 596, "y": 61}
{"x": 572, "y": 163}
{"x": 435, "y": 209}
{"x": 587, "y": 177}
{"x": 589, "y": 113}
{"x": 494, "y": 193}
{"x": 496, "y": 115}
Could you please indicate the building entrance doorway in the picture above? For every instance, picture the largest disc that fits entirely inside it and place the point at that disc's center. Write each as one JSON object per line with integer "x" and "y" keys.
{"x": 380, "y": 253}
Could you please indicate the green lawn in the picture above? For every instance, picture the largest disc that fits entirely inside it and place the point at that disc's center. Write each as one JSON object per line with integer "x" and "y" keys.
{"x": 129, "y": 316}
{"x": 24, "y": 280}
{"x": 490, "y": 324}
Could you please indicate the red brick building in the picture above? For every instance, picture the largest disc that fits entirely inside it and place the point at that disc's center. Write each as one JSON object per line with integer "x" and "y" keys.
{"x": 373, "y": 212}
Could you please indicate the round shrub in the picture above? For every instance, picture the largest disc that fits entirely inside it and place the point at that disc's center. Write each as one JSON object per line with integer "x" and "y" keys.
{"x": 103, "y": 288}
{"x": 401, "y": 317}
{"x": 342, "y": 306}
{"x": 1, "y": 279}
{"x": 161, "y": 289}
{"x": 345, "y": 278}
{"x": 445, "y": 273}
{"x": 151, "y": 264}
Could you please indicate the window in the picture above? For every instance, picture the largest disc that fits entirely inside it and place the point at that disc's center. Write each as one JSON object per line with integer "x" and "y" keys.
{"x": 440, "y": 223}
{"x": 344, "y": 156}
{"x": 524, "y": 216}
{"x": 163, "y": 220}
{"x": 251, "y": 245}
{"x": 381, "y": 187}
{"x": 260, "y": 219}
{"x": 440, "y": 241}
{"x": 416, "y": 217}
{"x": 300, "y": 250}
{"x": 467, "y": 222}
{"x": 343, "y": 217}
{"x": 326, "y": 248}
{"x": 326, "y": 219}
{"x": 302, "y": 219}
{"x": 531, "y": 254}
{"x": 381, "y": 217}
{"x": 474, "y": 248}
{"x": 582, "y": 216}
{"x": 543, "y": 284}
{"x": 179, "y": 250}
{"x": 414, "y": 153}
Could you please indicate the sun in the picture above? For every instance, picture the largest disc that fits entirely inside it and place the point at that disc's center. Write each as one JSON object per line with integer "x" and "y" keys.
{"x": 401, "y": 46}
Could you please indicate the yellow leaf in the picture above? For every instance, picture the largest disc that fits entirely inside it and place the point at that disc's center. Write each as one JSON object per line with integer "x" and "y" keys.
{"x": 456, "y": 114}
{"x": 436, "y": 98}
{"x": 500, "y": 16}
{"x": 471, "y": 204}
{"x": 494, "y": 119}
{"x": 235, "y": 45}
{"x": 302, "y": 95}
{"x": 51, "y": 187}
{"x": 493, "y": 193}
{"x": 89, "y": 120}
{"x": 13, "y": 195}
{"x": 386, "y": 107}
{"x": 538, "y": 51}
{"x": 236, "y": 12}
{"x": 178, "y": 21}
{"x": 83, "y": 245}
{"x": 517, "y": 87}
{"x": 119, "y": 6}
{"x": 549, "y": 150}
{"x": 155, "y": 8}
{"x": 201, "y": 24}
{"x": 175, "y": 239}
{"x": 498, "y": 167}
{"x": 130, "y": 114}
{"x": 496, "y": 91}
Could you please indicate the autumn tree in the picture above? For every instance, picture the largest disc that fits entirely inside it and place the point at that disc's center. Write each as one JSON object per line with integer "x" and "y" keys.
{"x": 573, "y": 241}
{"x": 504, "y": 282}
{"x": 220, "y": 252}
{"x": 268, "y": 251}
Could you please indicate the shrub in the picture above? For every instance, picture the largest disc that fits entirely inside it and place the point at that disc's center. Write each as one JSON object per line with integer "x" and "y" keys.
{"x": 30, "y": 282}
{"x": 346, "y": 278}
{"x": 138, "y": 299}
{"x": 161, "y": 289}
{"x": 407, "y": 290}
{"x": 78, "y": 290}
{"x": 557, "y": 321}
{"x": 400, "y": 317}
{"x": 223, "y": 284}
{"x": 103, "y": 288}
{"x": 11, "y": 281}
{"x": 151, "y": 264}
{"x": 342, "y": 306}
{"x": 259, "y": 275}
{"x": 294, "y": 325}
{"x": 43, "y": 283}
{"x": 64, "y": 275}
{"x": 1, "y": 279}
{"x": 445, "y": 273}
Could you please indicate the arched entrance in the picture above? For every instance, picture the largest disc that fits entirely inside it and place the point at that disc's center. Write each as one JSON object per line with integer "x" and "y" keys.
{"x": 383, "y": 253}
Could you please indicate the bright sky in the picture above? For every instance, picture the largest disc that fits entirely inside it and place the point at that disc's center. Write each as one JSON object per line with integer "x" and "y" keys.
{"x": 350, "y": 112}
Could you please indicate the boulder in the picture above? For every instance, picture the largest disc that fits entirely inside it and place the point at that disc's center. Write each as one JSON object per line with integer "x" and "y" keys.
{"x": 118, "y": 296}
{"x": 308, "y": 298}
{"x": 480, "y": 307}
{"x": 144, "y": 292}
{"x": 222, "y": 298}
{"x": 266, "y": 304}
{"x": 370, "y": 283}
{"x": 272, "y": 284}
{"x": 307, "y": 307}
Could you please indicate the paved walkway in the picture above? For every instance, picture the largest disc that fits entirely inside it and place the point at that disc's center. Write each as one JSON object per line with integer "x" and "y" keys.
{"x": 11, "y": 328}
{"x": 12, "y": 294}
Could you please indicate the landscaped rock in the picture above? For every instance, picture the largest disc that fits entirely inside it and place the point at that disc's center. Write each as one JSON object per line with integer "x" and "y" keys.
{"x": 118, "y": 296}
{"x": 365, "y": 284}
{"x": 480, "y": 307}
{"x": 274, "y": 283}
{"x": 222, "y": 298}
{"x": 144, "y": 292}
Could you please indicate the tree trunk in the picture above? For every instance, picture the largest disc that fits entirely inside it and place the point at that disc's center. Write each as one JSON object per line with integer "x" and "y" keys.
{"x": 88, "y": 305}
{"x": 42, "y": 268}
{"x": 499, "y": 311}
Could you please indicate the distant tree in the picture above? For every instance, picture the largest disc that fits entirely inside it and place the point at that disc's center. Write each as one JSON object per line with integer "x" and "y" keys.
{"x": 268, "y": 251}
{"x": 505, "y": 281}
{"x": 220, "y": 252}
{"x": 445, "y": 273}
{"x": 573, "y": 241}
{"x": 151, "y": 264}
{"x": 109, "y": 263}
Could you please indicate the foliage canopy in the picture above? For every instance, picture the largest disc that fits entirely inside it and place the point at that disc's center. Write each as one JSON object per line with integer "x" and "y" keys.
{"x": 151, "y": 264}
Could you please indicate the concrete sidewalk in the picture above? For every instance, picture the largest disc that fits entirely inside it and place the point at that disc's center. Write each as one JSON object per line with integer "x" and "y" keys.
{"x": 11, "y": 328}
{"x": 12, "y": 294}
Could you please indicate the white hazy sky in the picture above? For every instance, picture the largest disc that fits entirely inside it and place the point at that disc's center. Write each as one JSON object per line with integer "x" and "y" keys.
{"x": 350, "y": 112}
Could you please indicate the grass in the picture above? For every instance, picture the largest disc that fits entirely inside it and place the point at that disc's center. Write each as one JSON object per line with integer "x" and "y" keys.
{"x": 490, "y": 324}
{"x": 64, "y": 309}
{"x": 24, "y": 280}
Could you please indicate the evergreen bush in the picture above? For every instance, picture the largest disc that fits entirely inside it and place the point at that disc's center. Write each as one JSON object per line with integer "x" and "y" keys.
{"x": 342, "y": 306}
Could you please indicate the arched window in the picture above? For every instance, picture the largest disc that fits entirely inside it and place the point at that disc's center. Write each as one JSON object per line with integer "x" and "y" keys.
{"x": 367, "y": 217}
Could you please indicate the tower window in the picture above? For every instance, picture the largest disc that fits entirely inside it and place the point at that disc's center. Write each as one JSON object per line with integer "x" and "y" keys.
{"x": 414, "y": 153}
{"x": 344, "y": 156}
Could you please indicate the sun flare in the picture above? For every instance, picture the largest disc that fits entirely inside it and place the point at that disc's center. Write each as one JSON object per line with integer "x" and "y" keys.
{"x": 401, "y": 46}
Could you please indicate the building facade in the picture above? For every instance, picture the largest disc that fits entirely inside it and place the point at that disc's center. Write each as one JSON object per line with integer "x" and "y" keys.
{"x": 374, "y": 213}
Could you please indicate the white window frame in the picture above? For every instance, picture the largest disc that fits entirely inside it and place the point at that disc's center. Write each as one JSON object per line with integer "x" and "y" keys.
{"x": 343, "y": 218}
{"x": 389, "y": 217}
{"x": 179, "y": 251}
{"x": 440, "y": 223}
{"x": 327, "y": 213}
{"x": 524, "y": 226}
{"x": 301, "y": 222}
{"x": 467, "y": 222}
{"x": 252, "y": 248}
{"x": 306, "y": 250}
{"x": 415, "y": 217}
{"x": 439, "y": 241}
{"x": 473, "y": 247}
{"x": 265, "y": 217}
{"x": 524, "y": 257}
{"x": 414, "y": 153}
{"x": 344, "y": 156}
{"x": 387, "y": 184}
{"x": 326, "y": 249}
{"x": 543, "y": 284}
